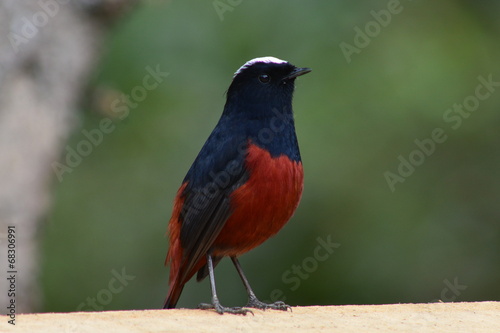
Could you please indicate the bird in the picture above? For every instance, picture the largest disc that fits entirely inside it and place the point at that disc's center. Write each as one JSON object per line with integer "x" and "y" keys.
{"x": 244, "y": 185}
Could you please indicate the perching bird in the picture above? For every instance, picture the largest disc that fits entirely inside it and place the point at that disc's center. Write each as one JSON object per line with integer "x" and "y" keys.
{"x": 243, "y": 186}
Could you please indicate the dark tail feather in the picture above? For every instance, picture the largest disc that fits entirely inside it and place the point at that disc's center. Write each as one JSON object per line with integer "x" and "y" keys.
{"x": 173, "y": 295}
{"x": 203, "y": 272}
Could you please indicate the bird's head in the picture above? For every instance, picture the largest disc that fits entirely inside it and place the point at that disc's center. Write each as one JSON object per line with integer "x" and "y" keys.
{"x": 264, "y": 80}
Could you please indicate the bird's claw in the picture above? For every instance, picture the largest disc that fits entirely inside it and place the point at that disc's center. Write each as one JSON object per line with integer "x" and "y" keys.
{"x": 223, "y": 309}
{"x": 279, "y": 305}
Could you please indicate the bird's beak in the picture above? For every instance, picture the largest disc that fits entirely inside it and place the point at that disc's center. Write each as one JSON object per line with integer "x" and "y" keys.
{"x": 297, "y": 72}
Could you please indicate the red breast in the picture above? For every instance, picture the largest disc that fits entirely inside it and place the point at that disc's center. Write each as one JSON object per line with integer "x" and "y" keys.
{"x": 263, "y": 205}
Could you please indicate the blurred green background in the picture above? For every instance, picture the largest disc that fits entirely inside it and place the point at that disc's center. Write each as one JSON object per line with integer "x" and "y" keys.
{"x": 438, "y": 228}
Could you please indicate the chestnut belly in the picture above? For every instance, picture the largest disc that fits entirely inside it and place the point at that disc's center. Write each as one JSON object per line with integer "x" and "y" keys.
{"x": 263, "y": 205}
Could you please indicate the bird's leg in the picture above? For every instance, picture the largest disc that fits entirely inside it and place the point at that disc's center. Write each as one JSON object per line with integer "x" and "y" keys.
{"x": 215, "y": 300}
{"x": 253, "y": 302}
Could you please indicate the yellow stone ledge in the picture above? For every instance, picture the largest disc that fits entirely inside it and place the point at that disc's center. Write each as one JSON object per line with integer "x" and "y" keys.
{"x": 434, "y": 317}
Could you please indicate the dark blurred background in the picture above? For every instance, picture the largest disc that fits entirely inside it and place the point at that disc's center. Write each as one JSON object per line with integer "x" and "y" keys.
{"x": 433, "y": 237}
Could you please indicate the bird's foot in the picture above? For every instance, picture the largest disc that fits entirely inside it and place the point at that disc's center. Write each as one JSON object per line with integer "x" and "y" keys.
{"x": 279, "y": 305}
{"x": 222, "y": 309}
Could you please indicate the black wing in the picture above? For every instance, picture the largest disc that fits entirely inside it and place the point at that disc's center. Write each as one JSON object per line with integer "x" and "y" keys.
{"x": 215, "y": 174}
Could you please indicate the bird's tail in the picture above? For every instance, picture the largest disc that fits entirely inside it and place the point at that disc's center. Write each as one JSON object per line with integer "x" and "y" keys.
{"x": 174, "y": 292}
{"x": 174, "y": 255}
{"x": 175, "y": 281}
{"x": 178, "y": 280}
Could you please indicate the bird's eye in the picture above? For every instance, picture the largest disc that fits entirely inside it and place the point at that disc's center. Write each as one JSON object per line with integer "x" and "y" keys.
{"x": 264, "y": 78}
